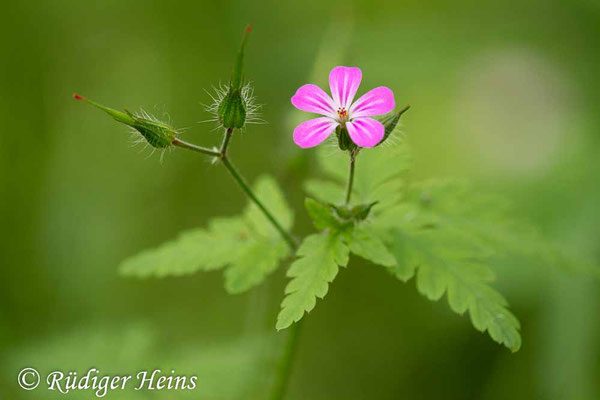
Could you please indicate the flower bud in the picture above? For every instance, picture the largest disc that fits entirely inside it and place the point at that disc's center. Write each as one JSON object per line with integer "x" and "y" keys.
{"x": 158, "y": 134}
{"x": 232, "y": 107}
{"x": 390, "y": 121}
{"x": 232, "y": 110}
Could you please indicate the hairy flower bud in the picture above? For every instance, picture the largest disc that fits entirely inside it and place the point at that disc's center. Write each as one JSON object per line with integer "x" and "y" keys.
{"x": 390, "y": 121}
{"x": 232, "y": 108}
{"x": 158, "y": 134}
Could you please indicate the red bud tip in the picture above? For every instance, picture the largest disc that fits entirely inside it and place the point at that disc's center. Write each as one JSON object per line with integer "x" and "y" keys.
{"x": 77, "y": 97}
{"x": 249, "y": 28}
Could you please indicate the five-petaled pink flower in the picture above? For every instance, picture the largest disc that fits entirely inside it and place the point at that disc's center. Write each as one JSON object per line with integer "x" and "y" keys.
{"x": 340, "y": 111}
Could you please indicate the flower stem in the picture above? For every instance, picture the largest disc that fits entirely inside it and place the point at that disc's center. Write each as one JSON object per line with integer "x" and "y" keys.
{"x": 350, "y": 176}
{"x": 222, "y": 154}
{"x": 284, "y": 368}
{"x": 226, "y": 139}
{"x": 193, "y": 147}
{"x": 240, "y": 180}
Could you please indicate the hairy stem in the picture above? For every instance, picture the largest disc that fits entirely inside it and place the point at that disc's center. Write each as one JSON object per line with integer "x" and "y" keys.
{"x": 350, "y": 176}
{"x": 226, "y": 139}
{"x": 284, "y": 368}
{"x": 193, "y": 147}
{"x": 240, "y": 180}
{"x": 222, "y": 154}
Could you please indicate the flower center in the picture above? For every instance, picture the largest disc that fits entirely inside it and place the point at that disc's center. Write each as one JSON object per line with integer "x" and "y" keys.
{"x": 342, "y": 114}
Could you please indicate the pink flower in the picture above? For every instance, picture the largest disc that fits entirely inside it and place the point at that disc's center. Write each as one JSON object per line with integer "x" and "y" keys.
{"x": 341, "y": 111}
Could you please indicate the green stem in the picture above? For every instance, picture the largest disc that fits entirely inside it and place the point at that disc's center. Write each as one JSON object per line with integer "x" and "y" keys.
{"x": 226, "y": 139}
{"x": 246, "y": 188}
{"x": 284, "y": 368}
{"x": 193, "y": 147}
{"x": 222, "y": 154}
{"x": 350, "y": 176}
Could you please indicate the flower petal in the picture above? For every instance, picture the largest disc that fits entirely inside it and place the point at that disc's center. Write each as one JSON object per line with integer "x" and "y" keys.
{"x": 365, "y": 132}
{"x": 375, "y": 102}
{"x": 344, "y": 82}
{"x": 312, "y": 98}
{"x": 312, "y": 132}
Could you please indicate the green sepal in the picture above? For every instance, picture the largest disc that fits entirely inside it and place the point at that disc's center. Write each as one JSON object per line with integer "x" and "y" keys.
{"x": 356, "y": 213}
{"x": 340, "y": 219}
{"x": 344, "y": 140}
{"x": 361, "y": 211}
{"x": 232, "y": 110}
{"x": 157, "y": 134}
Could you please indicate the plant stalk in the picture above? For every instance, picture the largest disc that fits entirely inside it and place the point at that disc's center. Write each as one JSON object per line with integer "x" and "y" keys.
{"x": 222, "y": 154}
{"x": 350, "y": 176}
{"x": 226, "y": 139}
{"x": 242, "y": 183}
{"x": 193, "y": 147}
{"x": 284, "y": 368}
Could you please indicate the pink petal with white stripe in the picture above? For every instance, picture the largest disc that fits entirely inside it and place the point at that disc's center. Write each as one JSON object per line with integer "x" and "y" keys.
{"x": 313, "y": 99}
{"x": 314, "y": 131}
{"x": 377, "y": 101}
{"x": 365, "y": 132}
{"x": 344, "y": 82}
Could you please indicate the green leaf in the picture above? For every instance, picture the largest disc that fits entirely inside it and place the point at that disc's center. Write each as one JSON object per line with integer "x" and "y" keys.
{"x": 446, "y": 233}
{"x": 480, "y": 219}
{"x": 320, "y": 255}
{"x": 247, "y": 246}
{"x": 192, "y": 251}
{"x": 256, "y": 260}
{"x": 321, "y": 215}
{"x": 365, "y": 243}
{"x": 440, "y": 269}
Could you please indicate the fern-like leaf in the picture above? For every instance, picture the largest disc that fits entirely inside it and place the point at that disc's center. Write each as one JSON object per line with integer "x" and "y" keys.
{"x": 441, "y": 269}
{"x": 444, "y": 233}
{"x": 365, "y": 243}
{"x": 320, "y": 256}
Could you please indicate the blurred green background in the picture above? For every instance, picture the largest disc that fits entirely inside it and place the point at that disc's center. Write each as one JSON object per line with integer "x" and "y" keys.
{"x": 505, "y": 93}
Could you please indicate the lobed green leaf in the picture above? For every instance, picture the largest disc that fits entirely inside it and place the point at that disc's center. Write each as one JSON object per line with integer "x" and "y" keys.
{"x": 365, "y": 243}
{"x": 320, "y": 256}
